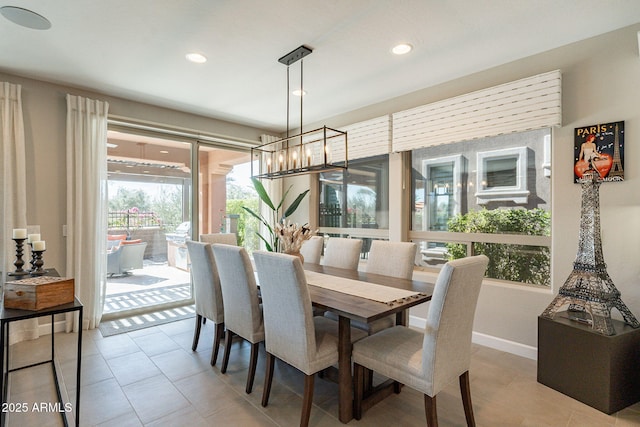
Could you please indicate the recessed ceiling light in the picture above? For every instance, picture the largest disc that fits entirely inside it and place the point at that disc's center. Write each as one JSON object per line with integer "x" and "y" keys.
{"x": 164, "y": 152}
{"x": 25, "y": 18}
{"x": 299, "y": 92}
{"x": 401, "y": 49}
{"x": 198, "y": 58}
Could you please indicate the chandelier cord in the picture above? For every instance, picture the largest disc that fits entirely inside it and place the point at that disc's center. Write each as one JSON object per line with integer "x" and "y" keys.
{"x": 288, "y": 101}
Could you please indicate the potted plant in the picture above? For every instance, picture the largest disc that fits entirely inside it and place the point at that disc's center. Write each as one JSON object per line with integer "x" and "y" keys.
{"x": 271, "y": 240}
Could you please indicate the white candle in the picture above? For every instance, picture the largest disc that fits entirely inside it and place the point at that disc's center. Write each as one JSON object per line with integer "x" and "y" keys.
{"x": 33, "y": 238}
{"x": 38, "y": 245}
{"x": 308, "y": 157}
{"x": 327, "y": 151}
{"x": 19, "y": 233}
{"x": 280, "y": 163}
{"x": 268, "y": 164}
{"x": 295, "y": 159}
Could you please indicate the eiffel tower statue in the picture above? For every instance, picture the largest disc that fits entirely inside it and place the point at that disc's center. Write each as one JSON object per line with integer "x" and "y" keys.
{"x": 589, "y": 290}
{"x": 616, "y": 168}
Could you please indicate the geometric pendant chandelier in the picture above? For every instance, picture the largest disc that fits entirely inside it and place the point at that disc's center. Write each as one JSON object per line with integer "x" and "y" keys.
{"x": 314, "y": 151}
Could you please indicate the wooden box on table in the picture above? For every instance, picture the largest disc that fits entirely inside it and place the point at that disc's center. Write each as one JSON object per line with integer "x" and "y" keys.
{"x": 37, "y": 293}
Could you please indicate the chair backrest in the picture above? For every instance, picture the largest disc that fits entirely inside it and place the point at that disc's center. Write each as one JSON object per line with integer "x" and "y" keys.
{"x": 288, "y": 315}
{"x": 311, "y": 249}
{"x": 393, "y": 259}
{"x": 206, "y": 282}
{"x": 131, "y": 255}
{"x": 447, "y": 341}
{"x": 342, "y": 253}
{"x": 239, "y": 291}
{"x": 224, "y": 238}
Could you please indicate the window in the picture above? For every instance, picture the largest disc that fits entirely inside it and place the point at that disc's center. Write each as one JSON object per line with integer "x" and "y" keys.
{"x": 502, "y": 175}
{"x": 491, "y": 196}
{"x": 443, "y": 190}
{"x": 357, "y": 197}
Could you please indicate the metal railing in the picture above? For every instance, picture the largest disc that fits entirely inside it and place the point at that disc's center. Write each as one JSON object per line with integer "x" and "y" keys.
{"x": 133, "y": 219}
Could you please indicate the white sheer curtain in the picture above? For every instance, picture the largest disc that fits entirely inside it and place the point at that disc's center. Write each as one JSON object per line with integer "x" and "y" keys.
{"x": 14, "y": 188}
{"x": 86, "y": 204}
{"x": 273, "y": 188}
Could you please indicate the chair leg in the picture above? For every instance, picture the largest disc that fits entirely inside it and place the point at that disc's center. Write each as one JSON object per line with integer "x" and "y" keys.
{"x": 227, "y": 349}
{"x": 219, "y": 332}
{"x": 430, "y": 411}
{"x": 465, "y": 390}
{"x": 252, "y": 366}
{"x": 358, "y": 379}
{"x": 196, "y": 333}
{"x": 307, "y": 400}
{"x": 268, "y": 377}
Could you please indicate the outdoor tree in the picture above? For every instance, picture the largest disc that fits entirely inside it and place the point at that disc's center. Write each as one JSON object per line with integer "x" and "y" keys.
{"x": 127, "y": 198}
{"x": 167, "y": 205}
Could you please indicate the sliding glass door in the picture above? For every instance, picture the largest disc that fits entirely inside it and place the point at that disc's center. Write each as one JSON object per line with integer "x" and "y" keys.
{"x": 153, "y": 210}
{"x": 150, "y": 192}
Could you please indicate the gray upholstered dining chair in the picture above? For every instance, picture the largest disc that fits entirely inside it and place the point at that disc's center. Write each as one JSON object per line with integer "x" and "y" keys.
{"x": 292, "y": 333}
{"x": 393, "y": 259}
{"x": 224, "y": 238}
{"x": 243, "y": 313}
{"x": 342, "y": 253}
{"x": 311, "y": 249}
{"x": 429, "y": 360}
{"x": 207, "y": 293}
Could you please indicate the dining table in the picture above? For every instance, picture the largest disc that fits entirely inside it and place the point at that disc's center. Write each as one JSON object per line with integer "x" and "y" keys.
{"x": 325, "y": 290}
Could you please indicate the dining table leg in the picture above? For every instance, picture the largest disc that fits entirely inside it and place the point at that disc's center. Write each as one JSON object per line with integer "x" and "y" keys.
{"x": 345, "y": 380}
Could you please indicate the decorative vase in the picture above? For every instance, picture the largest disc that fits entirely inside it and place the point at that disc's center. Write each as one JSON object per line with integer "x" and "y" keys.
{"x": 296, "y": 253}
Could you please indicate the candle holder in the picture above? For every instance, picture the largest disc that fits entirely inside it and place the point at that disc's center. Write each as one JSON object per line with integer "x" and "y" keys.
{"x": 33, "y": 258}
{"x": 18, "y": 263}
{"x": 37, "y": 264}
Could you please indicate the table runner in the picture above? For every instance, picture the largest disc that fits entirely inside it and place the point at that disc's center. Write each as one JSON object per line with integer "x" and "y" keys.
{"x": 380, "y": 293}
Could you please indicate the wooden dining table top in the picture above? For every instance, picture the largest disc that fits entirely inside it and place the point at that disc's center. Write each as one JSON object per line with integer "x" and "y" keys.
{"x": 359, "y": 308}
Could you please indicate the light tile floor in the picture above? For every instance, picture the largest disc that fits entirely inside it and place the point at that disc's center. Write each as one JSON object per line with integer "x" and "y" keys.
{"x": 151, "y": 377}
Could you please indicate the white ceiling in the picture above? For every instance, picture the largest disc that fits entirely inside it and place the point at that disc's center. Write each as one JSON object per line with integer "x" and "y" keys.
{"x": 136, "y": 49}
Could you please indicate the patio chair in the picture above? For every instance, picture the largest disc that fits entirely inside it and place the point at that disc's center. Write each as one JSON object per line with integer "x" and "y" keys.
{"x": 125, "y": 258}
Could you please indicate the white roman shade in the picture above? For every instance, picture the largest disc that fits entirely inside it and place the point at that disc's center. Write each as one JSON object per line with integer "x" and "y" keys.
{"x": 368, "y": 138}
{"x": 526, "y": 104}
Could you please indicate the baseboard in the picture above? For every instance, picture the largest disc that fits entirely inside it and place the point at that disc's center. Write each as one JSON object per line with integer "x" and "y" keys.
{"x": 58, "y": 326}
{"x": 501, "y": 344}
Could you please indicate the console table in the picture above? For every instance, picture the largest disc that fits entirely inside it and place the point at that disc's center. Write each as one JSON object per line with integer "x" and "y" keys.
{"x": 598, "y": 370}
{"x": 8, "y": 315}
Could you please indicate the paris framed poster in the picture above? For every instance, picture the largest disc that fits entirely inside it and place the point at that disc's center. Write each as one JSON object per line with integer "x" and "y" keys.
{"x": 599, "y": 149}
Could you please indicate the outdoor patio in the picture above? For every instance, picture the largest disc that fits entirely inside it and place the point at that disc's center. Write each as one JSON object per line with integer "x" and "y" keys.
{"x": 155, "y": 283}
